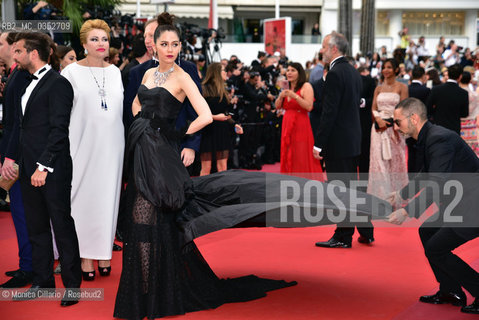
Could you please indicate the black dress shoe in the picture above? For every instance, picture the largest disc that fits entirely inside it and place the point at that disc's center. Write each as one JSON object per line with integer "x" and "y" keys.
{"x": 365, "y": 240}
{"x": 20, "y": 279}
{"x": 35, "y": 291}
{"x": 456, "y": 299}
{"x": 333, "y": 243}
{"x": 117, "y": 247}
{"x": 70, "y": 297}
{"x": 472, "y": 308}
{"x": 11, "y": 273}
{"x": 4, "y": 206}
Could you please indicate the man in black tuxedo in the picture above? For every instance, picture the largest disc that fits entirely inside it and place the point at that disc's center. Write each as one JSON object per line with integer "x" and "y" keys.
{"x": 444, "y": 156}
{"x": 16, "y": 83}
{"x": 448, "y": 102}
{"x": 339, "y": 136}
{"x": 417, "y": 90}
{"x": 43, "y": 112}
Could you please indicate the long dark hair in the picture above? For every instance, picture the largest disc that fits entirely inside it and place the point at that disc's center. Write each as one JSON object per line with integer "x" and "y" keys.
{"x": 301, "y": 75}
{"x": 393, "y": 63}
{"x": 213, "y": 84}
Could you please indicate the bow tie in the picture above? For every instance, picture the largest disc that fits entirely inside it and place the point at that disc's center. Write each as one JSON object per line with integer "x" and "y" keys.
{"x": 34, "y": 77}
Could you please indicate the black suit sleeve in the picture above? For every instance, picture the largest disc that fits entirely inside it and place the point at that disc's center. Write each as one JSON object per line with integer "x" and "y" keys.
{"x": 369, "y": 93}
{"x": 465, "y": 105}
{"x": 59, "y": 108}
{"x": 430, "y": 103}
{"x": 187, "y": 113}
{"x": 13, "y": 137}
{"x": 332, "y": 97}
{"x": 440, "y": 157}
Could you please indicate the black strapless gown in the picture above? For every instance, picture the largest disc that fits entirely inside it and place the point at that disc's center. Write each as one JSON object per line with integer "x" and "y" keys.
{"x": 163, "y": 271}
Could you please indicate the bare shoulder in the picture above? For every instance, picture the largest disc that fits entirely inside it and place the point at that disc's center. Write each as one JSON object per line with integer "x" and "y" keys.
{"x": 307, "y": 86}
{"x": 181, "y": 74}
{"x": 149, "y": 71}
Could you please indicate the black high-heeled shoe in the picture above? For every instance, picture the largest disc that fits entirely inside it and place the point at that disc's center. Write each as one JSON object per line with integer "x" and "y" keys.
{"x": 88, "y": 276}
{"x": 104, "y": 271}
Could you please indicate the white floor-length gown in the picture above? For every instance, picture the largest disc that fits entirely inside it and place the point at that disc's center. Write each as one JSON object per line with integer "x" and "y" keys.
{"x": 97, "y": 144}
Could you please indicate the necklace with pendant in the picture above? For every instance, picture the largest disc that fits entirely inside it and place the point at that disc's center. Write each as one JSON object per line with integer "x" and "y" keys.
{"x": 101, "y": 90}
{"x": 161, "y": 77}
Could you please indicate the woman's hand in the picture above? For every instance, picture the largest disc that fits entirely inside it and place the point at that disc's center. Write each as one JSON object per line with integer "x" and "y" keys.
{"x": 221, "y": 117}
{"x": 287, "y": 93}
{"x": 238, "y": 129}
{"x": 382, "y": 124}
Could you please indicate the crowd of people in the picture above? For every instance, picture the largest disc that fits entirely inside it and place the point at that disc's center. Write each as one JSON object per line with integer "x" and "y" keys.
{"x": 81, "y": 130}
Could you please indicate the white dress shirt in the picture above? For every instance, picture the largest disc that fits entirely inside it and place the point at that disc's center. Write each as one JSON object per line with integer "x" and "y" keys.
{"x": 28, "y": 92}
{"x": 39, "y": 74}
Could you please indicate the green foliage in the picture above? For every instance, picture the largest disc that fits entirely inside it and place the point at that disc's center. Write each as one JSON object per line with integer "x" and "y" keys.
{"x": 73, "y": 9}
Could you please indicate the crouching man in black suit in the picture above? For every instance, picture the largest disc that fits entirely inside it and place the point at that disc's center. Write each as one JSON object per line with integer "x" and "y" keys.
{"x": 43, "y": 113}
{"x": 449, "y": 166}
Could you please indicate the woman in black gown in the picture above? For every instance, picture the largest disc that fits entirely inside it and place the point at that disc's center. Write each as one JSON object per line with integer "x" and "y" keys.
{"x": 162, "y": 273}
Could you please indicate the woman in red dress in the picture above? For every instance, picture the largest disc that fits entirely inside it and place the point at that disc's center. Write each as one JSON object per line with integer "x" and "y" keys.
{"x": 297, "y": 139}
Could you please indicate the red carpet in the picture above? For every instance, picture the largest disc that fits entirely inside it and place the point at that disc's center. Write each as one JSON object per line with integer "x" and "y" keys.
{"x": 379, "y": 282}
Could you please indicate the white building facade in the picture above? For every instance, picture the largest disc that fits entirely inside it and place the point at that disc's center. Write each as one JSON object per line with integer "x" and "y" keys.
{"x": 429, "y": 18}
{"x": 242, "y": 22}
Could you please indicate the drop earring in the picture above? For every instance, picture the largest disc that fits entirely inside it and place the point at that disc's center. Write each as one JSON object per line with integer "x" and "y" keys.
{"x": 86, "y": 51}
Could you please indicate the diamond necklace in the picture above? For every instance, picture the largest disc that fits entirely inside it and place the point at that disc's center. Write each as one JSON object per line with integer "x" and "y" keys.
{"x": 101, "y": 90}
{"x": 161, "y": 77}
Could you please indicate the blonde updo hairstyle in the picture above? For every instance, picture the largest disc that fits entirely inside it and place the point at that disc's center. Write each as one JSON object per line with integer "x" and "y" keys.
{"x": 90, "y": 25}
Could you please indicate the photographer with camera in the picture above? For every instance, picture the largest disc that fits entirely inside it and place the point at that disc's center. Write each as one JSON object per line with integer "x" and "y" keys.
{"x": 43, "y": 10}
{"x": 451, "y": 55}
{"x": 255, "y": 97}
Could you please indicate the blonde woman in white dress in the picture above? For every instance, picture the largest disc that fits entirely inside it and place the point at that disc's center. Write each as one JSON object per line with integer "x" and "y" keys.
{"x": 97, "y": 146}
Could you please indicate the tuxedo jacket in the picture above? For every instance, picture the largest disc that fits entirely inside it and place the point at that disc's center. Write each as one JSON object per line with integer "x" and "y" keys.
{"x": 44, "y": 127}
{"x": 443, "y": 156}
{"x": 315, "y": 113}
{"x": 12, "y": 93}
{"x": 365, "y": 114}
{"x": 187, "y": 112}
{"x": 419, "y": 91}
{"x": 339, "y": 133}
{"x": 447, "y": 104}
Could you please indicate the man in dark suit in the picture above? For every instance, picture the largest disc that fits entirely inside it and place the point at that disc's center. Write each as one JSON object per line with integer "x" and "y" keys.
{"x": 16, "y": 83}
{"x": 315, "y": 114}
{"x": 45, "y": 165}
{"x": 448, "y": 102}
{"x": 339, "y": 136}
{"x": 444, "y": 156}
{"x": 417, "y": 90}
{"x": 365, "y": 116}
